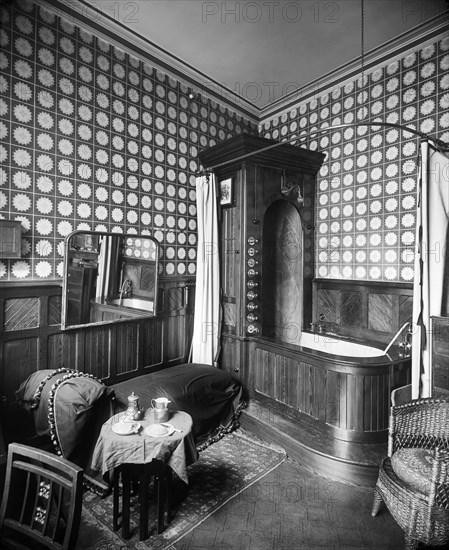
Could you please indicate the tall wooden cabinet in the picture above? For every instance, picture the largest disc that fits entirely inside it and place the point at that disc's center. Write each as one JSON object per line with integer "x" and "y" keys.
{"x": 268, "y": 221}
{"x": 81, "y": 282}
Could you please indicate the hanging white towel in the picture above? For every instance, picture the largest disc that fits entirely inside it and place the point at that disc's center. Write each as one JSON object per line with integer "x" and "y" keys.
{"x": 431, "y": 229}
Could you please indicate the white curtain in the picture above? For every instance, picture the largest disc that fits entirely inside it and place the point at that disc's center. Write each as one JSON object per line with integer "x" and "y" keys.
{"x": 102, "y": 263}
{"x": 206, "y": 325}
{"x": 431, "y": 229}
{"x": 108, "y": 260}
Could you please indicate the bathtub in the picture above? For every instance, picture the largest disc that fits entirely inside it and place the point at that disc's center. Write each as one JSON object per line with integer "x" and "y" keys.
{"x": 344, "y": 385}
{"x": 336, "y": 346}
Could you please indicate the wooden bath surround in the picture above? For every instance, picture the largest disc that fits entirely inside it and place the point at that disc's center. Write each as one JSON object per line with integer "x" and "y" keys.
{"x": 329, "y": 413}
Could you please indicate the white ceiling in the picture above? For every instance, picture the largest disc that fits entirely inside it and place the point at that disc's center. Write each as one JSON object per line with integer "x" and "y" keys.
{"x": 263, "y": 50}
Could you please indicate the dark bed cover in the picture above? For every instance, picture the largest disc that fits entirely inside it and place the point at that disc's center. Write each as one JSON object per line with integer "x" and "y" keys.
{"x": 210, "y": 395}
{"x": 82, "y": 404}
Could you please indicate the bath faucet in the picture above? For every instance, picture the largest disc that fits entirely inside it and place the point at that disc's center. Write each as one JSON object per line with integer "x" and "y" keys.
{"x": 321, "y": 324}
{"x": 404, "y": 346}
{"x": 125, "y": 289}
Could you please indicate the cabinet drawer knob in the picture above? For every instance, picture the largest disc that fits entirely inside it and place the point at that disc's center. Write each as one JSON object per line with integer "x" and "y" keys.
{"x": 236, "y": 370}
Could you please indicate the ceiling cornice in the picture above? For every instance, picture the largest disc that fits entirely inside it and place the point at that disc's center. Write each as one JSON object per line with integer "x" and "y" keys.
{"x": 106, "y": 27}
{"x": 114, "y": 32}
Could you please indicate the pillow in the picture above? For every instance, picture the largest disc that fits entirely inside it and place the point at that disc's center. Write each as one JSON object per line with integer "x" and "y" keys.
{"x": 414, "y": 466}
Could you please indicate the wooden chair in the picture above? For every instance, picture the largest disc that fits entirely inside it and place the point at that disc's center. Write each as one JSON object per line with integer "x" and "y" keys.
{"x": 140, "y": 476}
{"x": 42, "y": 500}
{"x": 413, "y": 480}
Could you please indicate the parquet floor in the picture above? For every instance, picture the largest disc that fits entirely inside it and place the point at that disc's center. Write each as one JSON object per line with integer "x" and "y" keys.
{"x": 294, "y": 509}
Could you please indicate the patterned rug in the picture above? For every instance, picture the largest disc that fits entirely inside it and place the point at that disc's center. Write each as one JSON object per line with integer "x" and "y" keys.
{"x": 223, "y": 471}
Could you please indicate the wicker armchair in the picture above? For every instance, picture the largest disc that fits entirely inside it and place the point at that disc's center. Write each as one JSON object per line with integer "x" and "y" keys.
{"x": 420, "y": 508}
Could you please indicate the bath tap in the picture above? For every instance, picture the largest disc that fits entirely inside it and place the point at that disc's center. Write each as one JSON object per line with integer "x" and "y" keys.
{"x": 125, "y": 289}
{"x": 321, "y": 324}
{"x": 406, "y": 345}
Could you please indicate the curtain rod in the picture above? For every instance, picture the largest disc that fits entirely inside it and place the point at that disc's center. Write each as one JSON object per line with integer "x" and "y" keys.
{"x": 441, "y": 144}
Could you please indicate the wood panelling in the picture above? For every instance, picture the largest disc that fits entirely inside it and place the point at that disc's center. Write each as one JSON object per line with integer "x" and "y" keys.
{"x": 351, "y": 308}
{"x": 20, "y": 358}
{"x": 229, "y": 315}
{"x": 230, "y": 228}
{"x": 380, "y": 312}
{"x": 352, "y": 398}
{"x": 233, "y": 356}
{"x": 440, "y": 352}
{"x": 21, "y": 313}
{"x": 405, "y": 309}
{"x": 370, "y": 312}
{"x": 327, "y": 305}
{"x": 54, "y": 310}
{"x": 110, "y": 352}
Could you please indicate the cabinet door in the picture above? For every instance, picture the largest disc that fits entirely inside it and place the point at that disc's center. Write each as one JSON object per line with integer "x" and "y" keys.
{"x": 81, "y": 282}
{"x": 231, "y": 258}
{"x": 233, "y": 356}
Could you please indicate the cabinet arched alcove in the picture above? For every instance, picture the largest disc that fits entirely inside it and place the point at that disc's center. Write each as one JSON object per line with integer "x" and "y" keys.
{"x": 282, "y": 273}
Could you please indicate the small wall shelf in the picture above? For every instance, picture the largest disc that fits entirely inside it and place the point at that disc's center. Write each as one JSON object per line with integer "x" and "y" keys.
{"x": 10, "y": 239}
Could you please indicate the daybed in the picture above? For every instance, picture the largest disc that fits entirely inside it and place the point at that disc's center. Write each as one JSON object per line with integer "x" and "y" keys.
{"x": 211, "y": 396}
{"x": 69, "y": 407}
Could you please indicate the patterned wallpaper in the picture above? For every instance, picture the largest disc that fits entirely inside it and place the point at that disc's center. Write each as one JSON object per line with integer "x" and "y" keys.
{"x": 92, "y": 138}
{"x": 366, "y": 201}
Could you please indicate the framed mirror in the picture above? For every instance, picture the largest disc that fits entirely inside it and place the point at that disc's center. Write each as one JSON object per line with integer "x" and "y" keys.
{"x": 108, "y": 277}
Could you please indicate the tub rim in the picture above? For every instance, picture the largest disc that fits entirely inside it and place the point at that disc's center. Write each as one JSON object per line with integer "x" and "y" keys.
{"x": 385, "y": 360}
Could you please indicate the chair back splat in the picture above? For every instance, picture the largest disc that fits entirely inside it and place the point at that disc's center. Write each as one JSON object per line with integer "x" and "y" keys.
{"x": 42, "y": 500}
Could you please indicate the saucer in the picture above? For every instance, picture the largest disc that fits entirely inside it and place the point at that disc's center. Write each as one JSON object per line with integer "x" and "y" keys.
{"x": 159, "y": 430}
{"x": 125, "y": 428}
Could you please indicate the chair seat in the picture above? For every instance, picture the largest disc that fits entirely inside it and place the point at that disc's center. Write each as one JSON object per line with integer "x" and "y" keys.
{"x": 413, "y": 480}
{"x": 414, "y": 467}
{"x": 410, "y": 508}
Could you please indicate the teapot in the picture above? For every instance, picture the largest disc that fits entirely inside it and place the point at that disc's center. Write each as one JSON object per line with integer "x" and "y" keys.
{"x": 134, "y": 410}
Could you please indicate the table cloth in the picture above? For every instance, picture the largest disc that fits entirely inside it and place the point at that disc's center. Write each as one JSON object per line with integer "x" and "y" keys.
{"x": 177, "y": 450}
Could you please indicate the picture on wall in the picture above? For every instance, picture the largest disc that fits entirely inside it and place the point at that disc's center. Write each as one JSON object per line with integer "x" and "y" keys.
{"x": 226, "y": 192}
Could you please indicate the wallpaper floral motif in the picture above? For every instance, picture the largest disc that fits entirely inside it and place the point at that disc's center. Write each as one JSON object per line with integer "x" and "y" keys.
{"x": 366, "y": 196}
{"x": 93, "y": 138}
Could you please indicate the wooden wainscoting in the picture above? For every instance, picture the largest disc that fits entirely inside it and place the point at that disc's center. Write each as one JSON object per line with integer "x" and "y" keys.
{"x": 440, "y": 352}
{"x": 365, "y": 311}
{"x": 32, "y": 339}
{"x": 30, "y": 316}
